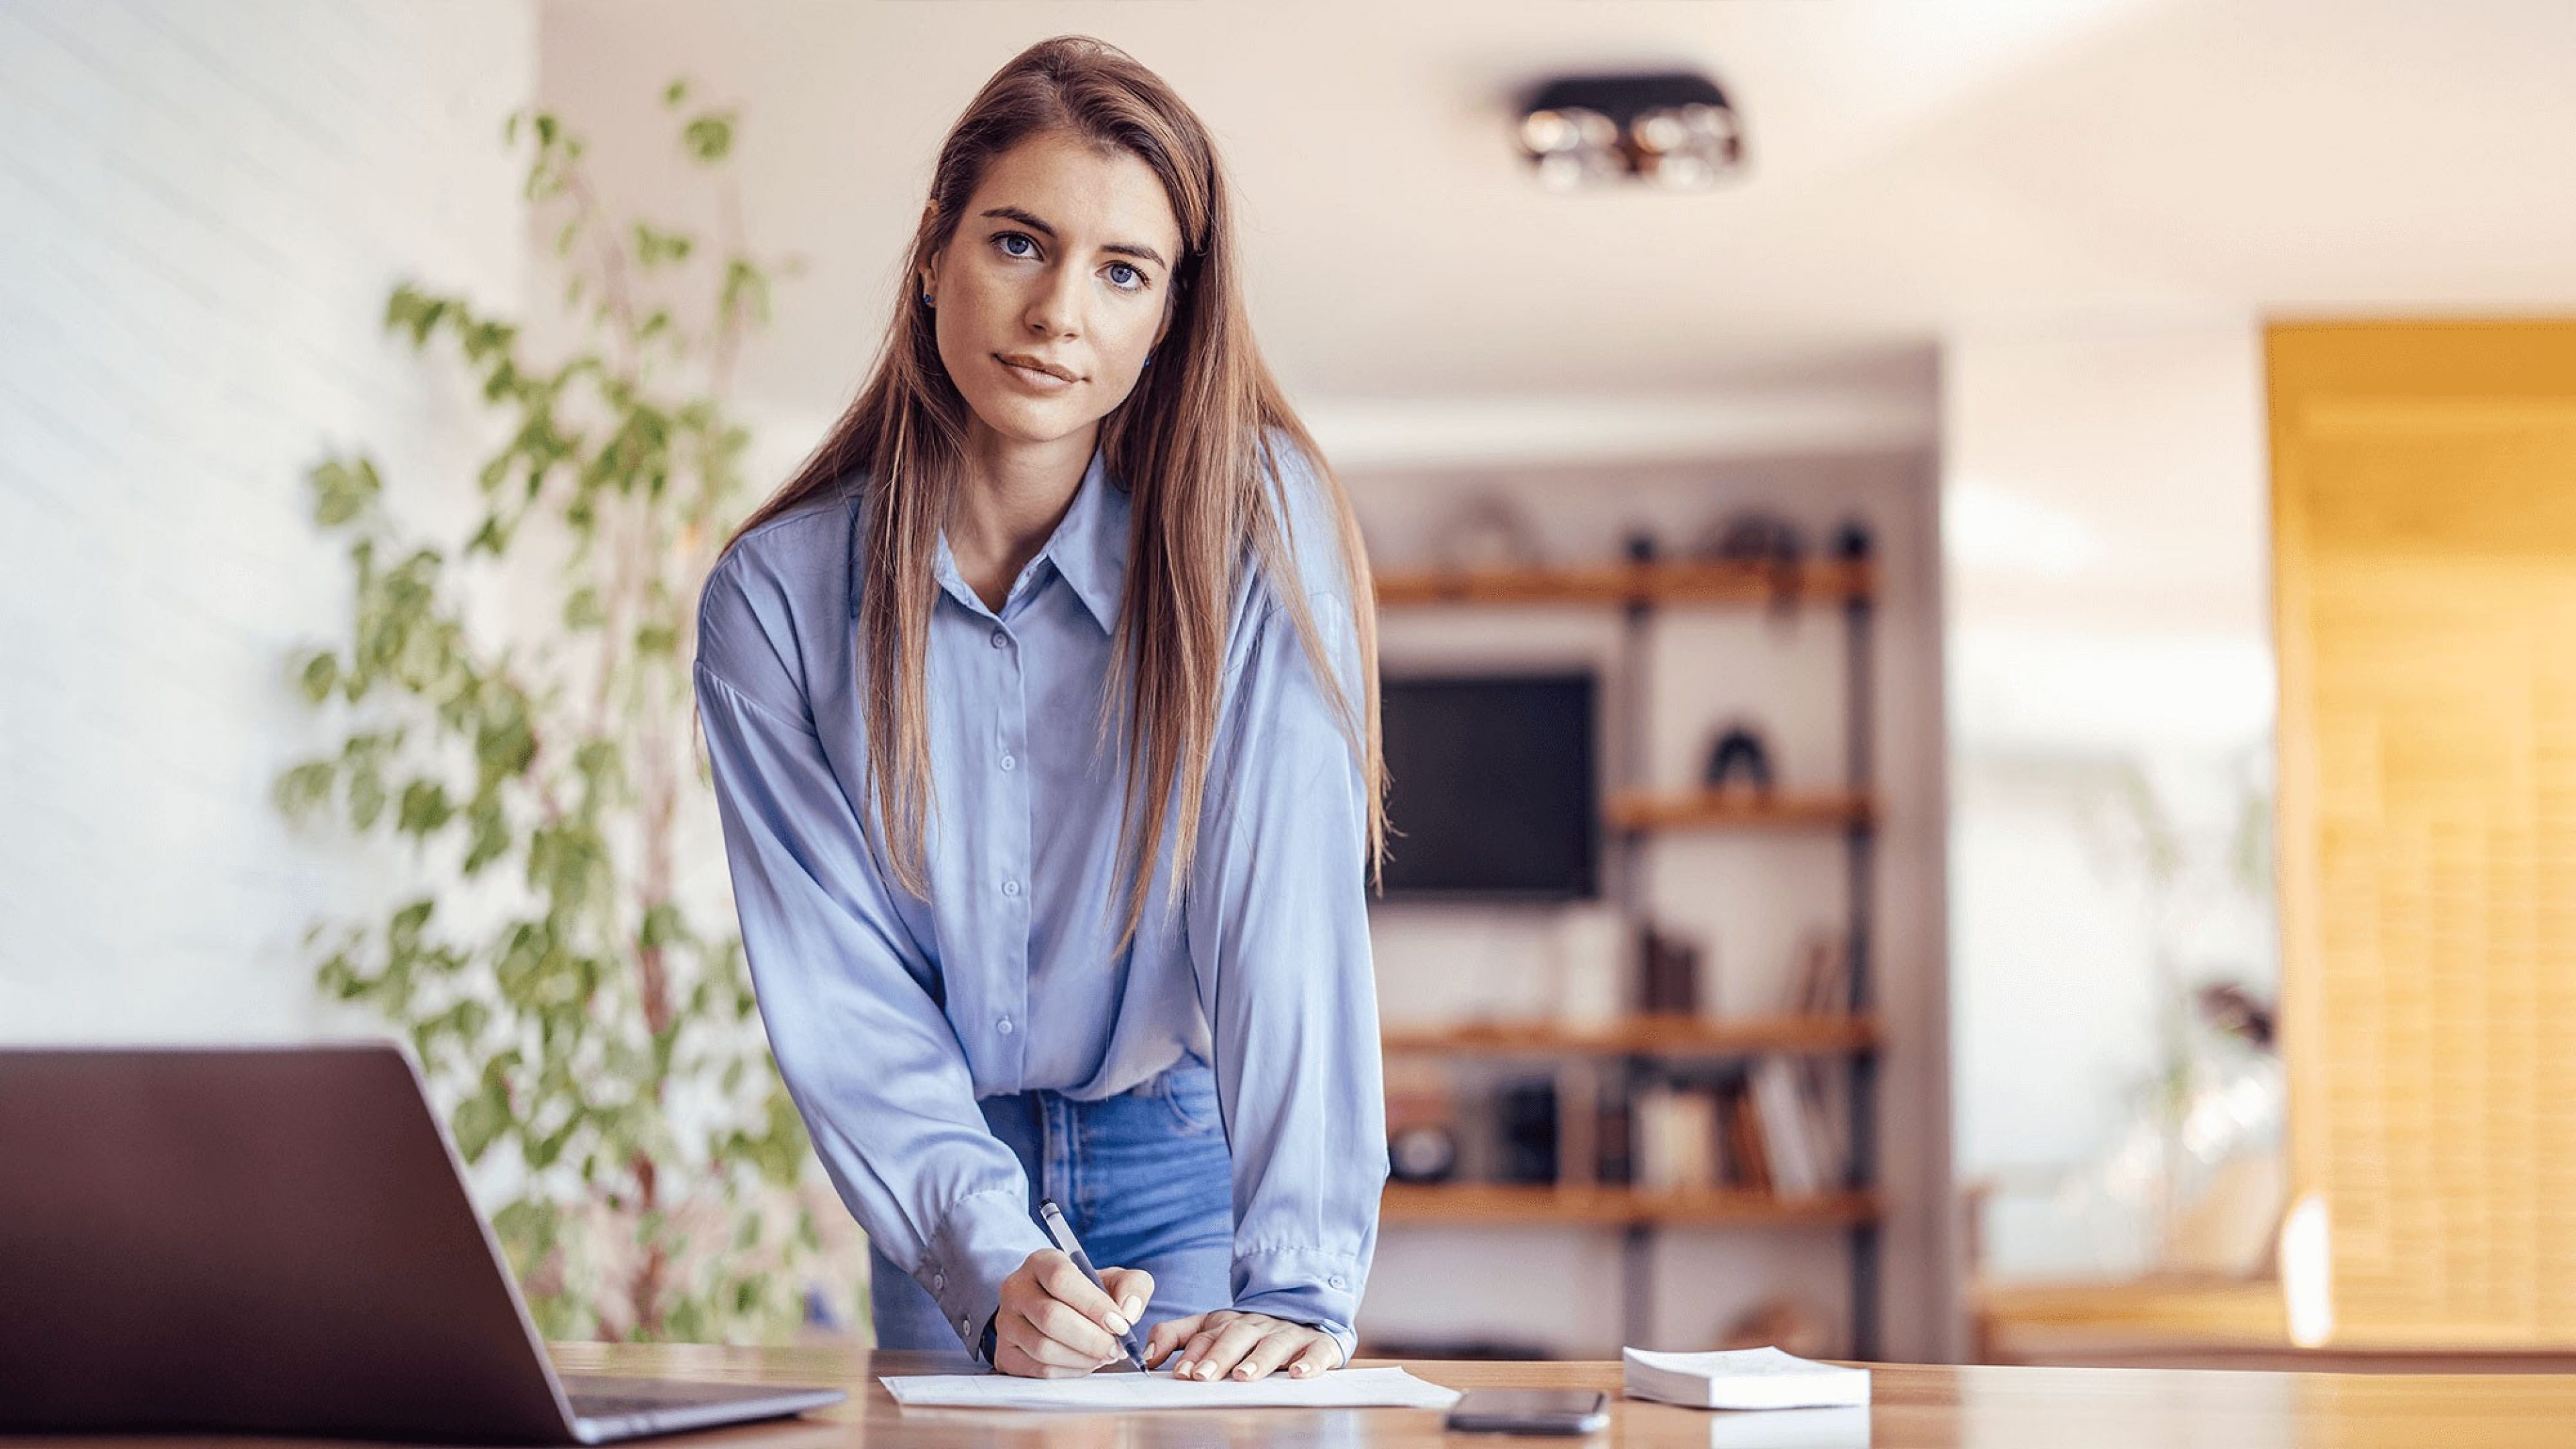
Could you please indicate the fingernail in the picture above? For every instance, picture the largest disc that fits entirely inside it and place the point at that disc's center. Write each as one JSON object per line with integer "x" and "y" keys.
{"x": 1243, "y": 1370}
{"x": 1135, "y": 1309}
{"x": 1181, "y": 1370}
{"x": 1116, "y": 1323}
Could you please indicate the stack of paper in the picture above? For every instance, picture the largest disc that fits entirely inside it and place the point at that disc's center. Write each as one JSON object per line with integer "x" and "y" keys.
{"x": 1791, "y": 1429}
{"x": 1751, "y": 1378}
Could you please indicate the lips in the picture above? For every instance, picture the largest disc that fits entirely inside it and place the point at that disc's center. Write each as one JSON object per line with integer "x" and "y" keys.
{"x": 1032, "y": 364}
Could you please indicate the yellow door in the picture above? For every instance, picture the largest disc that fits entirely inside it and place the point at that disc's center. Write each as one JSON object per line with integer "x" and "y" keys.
{"x": 2424, "y": 492}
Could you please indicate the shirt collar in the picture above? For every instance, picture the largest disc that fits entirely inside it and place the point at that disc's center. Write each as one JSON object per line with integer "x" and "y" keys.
{"x": 1088, "y": 547}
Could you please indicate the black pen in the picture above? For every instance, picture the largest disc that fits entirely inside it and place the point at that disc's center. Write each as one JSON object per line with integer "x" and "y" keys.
{"x": 1057, "y": 1228}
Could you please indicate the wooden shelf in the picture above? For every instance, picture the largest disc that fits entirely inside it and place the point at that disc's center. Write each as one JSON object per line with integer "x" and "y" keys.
{"x": 1661, "y": 583}
{"x": 1715, "y": 810}
{"x": 1631, "y": 1048}
{"x": 1666, "y": 1036}
{"x": 1406, "y": 1202}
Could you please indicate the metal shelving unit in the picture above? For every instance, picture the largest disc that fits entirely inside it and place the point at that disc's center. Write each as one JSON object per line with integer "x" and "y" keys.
{"x": 1633, "y": 814}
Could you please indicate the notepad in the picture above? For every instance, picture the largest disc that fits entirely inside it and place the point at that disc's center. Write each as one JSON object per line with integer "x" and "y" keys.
{"x": 1748, "y": 1378}
{"x": 1119, "y": 1392}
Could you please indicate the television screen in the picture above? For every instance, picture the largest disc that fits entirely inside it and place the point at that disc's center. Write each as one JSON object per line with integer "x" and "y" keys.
{"x": 1491, "y": 786}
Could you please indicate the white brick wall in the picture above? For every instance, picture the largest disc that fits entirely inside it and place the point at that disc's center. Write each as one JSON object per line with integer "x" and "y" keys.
{"x": 201, "y": 209}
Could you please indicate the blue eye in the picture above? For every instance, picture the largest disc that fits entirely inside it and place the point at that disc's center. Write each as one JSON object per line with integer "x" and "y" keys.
{"x": 1136, "y": 281}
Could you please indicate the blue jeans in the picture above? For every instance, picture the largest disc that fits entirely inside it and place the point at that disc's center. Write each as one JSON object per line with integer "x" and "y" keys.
{"x": 1144, "y": 1180}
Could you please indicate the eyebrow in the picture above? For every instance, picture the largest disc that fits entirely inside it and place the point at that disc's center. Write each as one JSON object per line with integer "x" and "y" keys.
{"x": 1013, "y": 213}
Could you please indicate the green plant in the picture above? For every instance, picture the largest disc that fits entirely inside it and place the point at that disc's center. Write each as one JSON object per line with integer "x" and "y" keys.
{"x": 592, "y": 1041}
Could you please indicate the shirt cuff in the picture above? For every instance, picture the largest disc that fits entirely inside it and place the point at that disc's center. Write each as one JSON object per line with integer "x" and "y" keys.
{"x": 983, "y": 1240}
{"x": 1302, "y": 1285}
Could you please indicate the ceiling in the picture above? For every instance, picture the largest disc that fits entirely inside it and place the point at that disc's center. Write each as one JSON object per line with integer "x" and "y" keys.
{"x": 1920, "y": 170}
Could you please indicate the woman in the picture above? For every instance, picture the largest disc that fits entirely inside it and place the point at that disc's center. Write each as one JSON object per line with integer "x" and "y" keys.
{"x": 1041, "y": 707}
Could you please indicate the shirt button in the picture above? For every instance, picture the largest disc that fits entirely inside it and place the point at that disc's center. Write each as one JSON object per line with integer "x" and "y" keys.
{"x": 1010, "y": 762}
{"x": 1338, "y": 1281}
{"x": 1004, "y": 1026}
{"x": 1000, "y": 638}
{"x": 1010, "y": 887}
{"x": 938, "y": 1281}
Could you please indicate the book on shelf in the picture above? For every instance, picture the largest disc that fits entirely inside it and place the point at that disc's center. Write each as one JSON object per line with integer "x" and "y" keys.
{"x": 1750, "y": 1154}
{"x": 1668, "y": 973}
{"x": 1578, "y": 1134}
{"x": 1788, "y": 1130}
{"x": 1673, "y": 1137}
{"x": 1828, "y": 1129}
{"x": 1527, "y": 1121}
{"x": 1764, "y": 1125}
{"x": 1766, "y": 1130}
{"x": 1614, "y": 1148}
{"x": 1821, "y": 983}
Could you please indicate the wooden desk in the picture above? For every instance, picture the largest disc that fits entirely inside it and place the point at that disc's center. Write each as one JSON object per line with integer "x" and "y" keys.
{"x": 1916, "y": 1408}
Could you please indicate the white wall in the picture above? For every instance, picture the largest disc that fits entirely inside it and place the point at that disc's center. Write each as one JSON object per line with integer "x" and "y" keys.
{"x": 2106, "y": 549}
{"x": 1747, "y": 897}
{"x": 206, "y": 207}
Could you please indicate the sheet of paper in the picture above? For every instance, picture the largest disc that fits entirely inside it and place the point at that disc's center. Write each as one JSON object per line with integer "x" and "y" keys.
{"x": 1117, "y": 1392}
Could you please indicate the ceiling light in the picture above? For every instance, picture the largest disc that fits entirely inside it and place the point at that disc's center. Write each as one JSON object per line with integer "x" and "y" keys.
{"x": 1672, "y": 129}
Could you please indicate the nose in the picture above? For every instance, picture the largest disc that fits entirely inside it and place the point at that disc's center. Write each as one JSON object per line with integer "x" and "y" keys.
{"x": 1056, "y": 305}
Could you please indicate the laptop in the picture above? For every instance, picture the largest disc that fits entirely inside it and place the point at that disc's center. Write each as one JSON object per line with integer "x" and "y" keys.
{"x": 276, "y": 1240}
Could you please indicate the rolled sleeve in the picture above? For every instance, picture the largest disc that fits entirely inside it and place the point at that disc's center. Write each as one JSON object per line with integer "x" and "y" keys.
{"x": 982, "y": 1240}
{"x": 867, "y": 1055}
{"x": 1318, "y": 1289}
{"x": 1276, "y": 919}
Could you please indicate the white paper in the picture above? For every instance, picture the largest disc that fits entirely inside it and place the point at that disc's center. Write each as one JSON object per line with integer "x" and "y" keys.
{"x": 1750, "y": 1378}
{"x": 1118, "y": 1392}
{"x": 1790, "y": 1429}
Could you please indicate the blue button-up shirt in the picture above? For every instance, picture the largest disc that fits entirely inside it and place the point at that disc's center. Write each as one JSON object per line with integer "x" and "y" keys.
{"x": 890, "y": 1014}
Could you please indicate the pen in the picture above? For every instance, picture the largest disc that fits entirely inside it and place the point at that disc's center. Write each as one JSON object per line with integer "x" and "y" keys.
{"x": 1057, "y": 1228}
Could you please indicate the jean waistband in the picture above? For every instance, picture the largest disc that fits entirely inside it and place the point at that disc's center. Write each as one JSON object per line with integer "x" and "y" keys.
{"x": 1184, "y": 1066}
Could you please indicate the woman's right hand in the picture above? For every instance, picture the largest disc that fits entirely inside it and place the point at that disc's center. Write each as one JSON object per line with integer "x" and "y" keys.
{"x": 1054, "y": 1325}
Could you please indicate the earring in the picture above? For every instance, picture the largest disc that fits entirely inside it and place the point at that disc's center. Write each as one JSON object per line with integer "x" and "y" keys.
{"x": 925, "y": 300}
{"x": 1149, "y": 359}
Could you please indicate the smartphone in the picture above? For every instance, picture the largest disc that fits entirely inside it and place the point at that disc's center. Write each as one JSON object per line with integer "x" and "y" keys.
{"x": 1531, "y": 1411}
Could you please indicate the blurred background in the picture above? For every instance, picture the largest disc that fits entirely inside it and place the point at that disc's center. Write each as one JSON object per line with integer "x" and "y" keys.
{"x": 1969, "y": 598}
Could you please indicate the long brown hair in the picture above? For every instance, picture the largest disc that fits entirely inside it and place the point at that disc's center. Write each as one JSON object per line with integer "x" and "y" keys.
{"x": 1192, "y": 443}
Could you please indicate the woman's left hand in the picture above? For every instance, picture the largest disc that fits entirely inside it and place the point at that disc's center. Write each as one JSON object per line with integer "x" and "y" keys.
{"x": 1243, "y": 1346}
